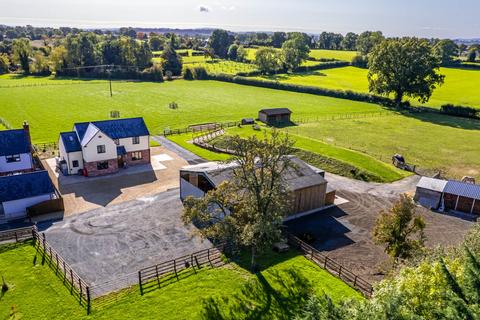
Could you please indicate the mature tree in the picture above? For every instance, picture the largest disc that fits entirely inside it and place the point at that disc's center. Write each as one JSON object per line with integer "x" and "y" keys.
{"x": 349, "y": 42}
{"x": 248, "y": 209}
{"x": 143, "y": 55}
{"x": 400, "y": 229}
{"x": 447, "y": 51}
{"x": 58, "y": 59}
{"x": 171, "y": 61}
{"x": 220, "y": 41}
{"x": 4, "y": 63}
{"x": 241, "y": 54}
{"x": 307, "y": 40}
{"x": 209, "y": 53}
{"x": 156, "y": 43}
{"x": 472, "y": 55}
{"x": 330, "y": 40}
{"x": 129, "y": 32}
{"x": 268, "y": 60}
{"x": 233, "y": 52}
{"x": 40, "y": 64}
{"x": 21, "y": 53}
{"x": 294, "y": 52}
{"x": 368, "y": 40}
{"x": 405, "y": 67}
{"x": 278, "y": 38}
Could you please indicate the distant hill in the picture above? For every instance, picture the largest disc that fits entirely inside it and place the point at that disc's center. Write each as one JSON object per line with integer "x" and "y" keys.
{"x": 184, "y": 32}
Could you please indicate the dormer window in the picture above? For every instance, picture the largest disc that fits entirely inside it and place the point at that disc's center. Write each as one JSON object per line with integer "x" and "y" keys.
{"x": 13, "y": 158}
{"x": 136, "y": 140}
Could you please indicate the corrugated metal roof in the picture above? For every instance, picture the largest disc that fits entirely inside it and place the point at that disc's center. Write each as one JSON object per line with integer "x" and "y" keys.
{"x": 432, "y": 184}
{"x": 13, "y": 142}
{"x": 25, "y": 185}
{"x": 463, "y": 189}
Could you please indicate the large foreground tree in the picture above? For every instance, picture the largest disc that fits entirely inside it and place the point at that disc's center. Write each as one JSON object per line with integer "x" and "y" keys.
{"x": 400, "y": 229}
{"x": 404, "y": 67}
{"x": 249, "y": 208}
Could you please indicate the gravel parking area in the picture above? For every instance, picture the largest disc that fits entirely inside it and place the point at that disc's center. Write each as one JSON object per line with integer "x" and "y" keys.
{"x": 108, "y": 246}
{"x": 344, "y": 232}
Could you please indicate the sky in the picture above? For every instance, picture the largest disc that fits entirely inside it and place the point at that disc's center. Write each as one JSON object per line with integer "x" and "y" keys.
{"x": 423, "y": 18}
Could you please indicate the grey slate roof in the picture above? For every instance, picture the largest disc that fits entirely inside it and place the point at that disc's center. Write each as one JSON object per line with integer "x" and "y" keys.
{"x": 300, "y": 176}
{"x": 13, "y": 142}
{"x": 70, "y": 141}
{"x": 25, "y": 185}
{"x": 276, "y": 111}
{"x": 463, "y": 189}
{"x": 117, "y": 128}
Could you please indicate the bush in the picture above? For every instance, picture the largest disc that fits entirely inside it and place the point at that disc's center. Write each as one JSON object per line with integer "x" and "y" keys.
{"x": 200, "y": 73}
{"x": 188, "y": 74}
{"x": 169, "y": 75}
{"x": 360, "y": 61}
{"x": 460, "y": 111}
{"x": 154, "y": 73}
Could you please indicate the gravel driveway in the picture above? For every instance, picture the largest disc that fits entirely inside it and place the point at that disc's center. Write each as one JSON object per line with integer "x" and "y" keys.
{"x": 108, "y": 246}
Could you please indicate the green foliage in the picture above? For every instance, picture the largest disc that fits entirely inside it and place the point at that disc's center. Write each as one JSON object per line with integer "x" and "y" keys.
{"x": 249, "y": 208}
{"x": 171, "y": 61}
{"x": 349, "y": 42}
{"x": 472, "y": 55}
{"x": 278, "y": 38}
{"x": 40, "y": 65}
{"x": 330, "y": 41}
{"x": 446, "y": 51}
{"x": 220, "y": 42}
{"x": 233, "y": 52}
{"x": 360, "y": 61}
{"x": 188, "y": 74}
{"x": 400, "y": 230}
{"x": 368, "y": 40}
{"x": 460, "y": 111}
{"x": 294, "y": 52}
{"x": 404, "y": 67}
{"x": 200, "y": 73}
{"x": 268, "y": 60}
{"x": 241, "y": 54}
{"x": 4, "y": 63}
{"x": 154, "y": 73}
{"x": 21, "y": 53}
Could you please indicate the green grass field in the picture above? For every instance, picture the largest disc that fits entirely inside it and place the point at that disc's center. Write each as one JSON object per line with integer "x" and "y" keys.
{"x": 316, "y": 53}
{"x": 461, "y": 85}
{"x": 36, "y": 293}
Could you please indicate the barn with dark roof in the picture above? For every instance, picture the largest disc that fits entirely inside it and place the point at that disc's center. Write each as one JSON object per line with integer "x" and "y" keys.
{"x": 276, "y": 116}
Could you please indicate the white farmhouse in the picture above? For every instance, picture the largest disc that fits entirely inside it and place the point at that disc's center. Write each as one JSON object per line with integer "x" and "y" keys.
{"x": 103, "y": 147}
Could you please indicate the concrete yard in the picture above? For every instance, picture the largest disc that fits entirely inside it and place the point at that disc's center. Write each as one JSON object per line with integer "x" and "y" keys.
{"x": 108, "y": 246}
{"x": 344, "y": 233}
{"x": 82, "y": 194}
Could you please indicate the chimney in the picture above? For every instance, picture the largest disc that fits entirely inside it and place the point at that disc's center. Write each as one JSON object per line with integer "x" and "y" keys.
{"x": 26, "y": 128}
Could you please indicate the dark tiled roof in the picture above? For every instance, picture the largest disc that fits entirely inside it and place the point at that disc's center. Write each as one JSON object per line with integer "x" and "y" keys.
{"x": 70, "y": 141}
{"x": 13, "y": 142}
{"x": 26, "y": 185}
{"x": 116, "y": 129}
{"x": 121, "y": 150}
{"x": 277, "y": 111}
{"x": 463, "y": 189}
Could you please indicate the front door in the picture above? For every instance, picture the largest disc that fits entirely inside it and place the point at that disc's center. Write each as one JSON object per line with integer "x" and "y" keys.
{"x": 120, "y": 162}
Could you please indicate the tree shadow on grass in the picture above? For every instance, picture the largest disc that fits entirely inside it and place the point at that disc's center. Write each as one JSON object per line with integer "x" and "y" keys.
{"x": 445, "y": 120}
{"x": 278, "y": 297}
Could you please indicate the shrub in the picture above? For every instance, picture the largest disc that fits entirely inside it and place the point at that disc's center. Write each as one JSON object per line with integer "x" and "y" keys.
{"x": 169, "y": 75}
{"x": 200, "y": 73}
{"x": 188, "y": 74}
{"x": 460, "y": 111}
{"x": 154, "y": 73}
{"x": 360, "y": 61}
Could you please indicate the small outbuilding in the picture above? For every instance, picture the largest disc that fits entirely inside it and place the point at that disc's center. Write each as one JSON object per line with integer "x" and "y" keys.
{"x": 307, "y": 185}
{"x": 429, "y": 192}
{"x": 461, "y": 196}
{"x": 275, "y": 116}
{"x": 19, "y": 192}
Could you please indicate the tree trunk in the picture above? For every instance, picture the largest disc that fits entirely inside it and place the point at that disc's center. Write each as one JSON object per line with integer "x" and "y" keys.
{"x": 253, "y": 261}
{"x": 399, "y": 98}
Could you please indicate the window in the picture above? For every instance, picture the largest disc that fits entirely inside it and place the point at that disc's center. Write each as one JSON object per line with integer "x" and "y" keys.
{"x": 13, "y": 158}
{"x": 75, "y": 163}
{"x": 137, "y": 156}
{"x": 136, "y": 140}
{"x": 117, "y": 141}
{"x": 102, "y": 165}
{"x": 101, "y": 149}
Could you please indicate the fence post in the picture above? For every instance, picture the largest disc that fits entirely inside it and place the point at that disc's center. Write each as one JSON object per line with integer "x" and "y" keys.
{"x": 71, "y": 281}
{"x": 16, "y": 237}
{"x": 311, "y": 253}
{"x": 64, "y": 272}
{"x": 81, "y": 290}
{"x": 156, "y": 272}
{"x": 191, "y": 263}
{"x": 140, "y": 282}
{"x": 208, "y": 255}
{"x": 175, "y": 268}
{"x": 88, "y": 300}
{"x": 355, "y": 281}
{"x": 325, "y": 264}
{"x": 340, "y": 272}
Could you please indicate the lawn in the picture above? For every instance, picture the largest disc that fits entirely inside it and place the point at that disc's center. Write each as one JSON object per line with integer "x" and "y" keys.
{"x": 51, "y": 109}
{"x": 36, "y": 293}
{"x": 461, "y": 85}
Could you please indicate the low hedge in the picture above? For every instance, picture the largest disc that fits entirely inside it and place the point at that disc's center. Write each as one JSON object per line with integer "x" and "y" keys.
{"x": 351, "y": 95}
{"x": 149, "y": 74}
{"x": 460, "y": 111}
